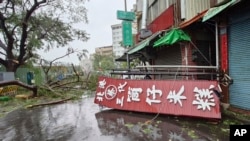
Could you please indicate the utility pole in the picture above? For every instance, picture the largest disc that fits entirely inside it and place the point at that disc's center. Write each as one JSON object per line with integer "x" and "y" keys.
{"x": 128, "y": 60}
{"x": 125, "y": 4}
{"x": 127, "y": 18}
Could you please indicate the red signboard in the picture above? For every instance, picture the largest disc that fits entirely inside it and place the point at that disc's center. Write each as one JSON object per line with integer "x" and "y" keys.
{"x": 175, "y": 97}
{"x": 224, "y": 52}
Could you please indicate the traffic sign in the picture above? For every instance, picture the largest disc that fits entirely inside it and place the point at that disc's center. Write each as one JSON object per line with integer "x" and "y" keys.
{"x": 123, "y": 15}
{"x": 127, "y": 33}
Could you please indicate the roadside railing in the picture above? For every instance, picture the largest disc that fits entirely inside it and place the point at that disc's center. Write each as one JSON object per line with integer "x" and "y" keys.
{"x": 170, "y": 71}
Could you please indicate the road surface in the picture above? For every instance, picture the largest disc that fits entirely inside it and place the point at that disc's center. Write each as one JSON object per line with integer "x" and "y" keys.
{"x": 84, "y": 121}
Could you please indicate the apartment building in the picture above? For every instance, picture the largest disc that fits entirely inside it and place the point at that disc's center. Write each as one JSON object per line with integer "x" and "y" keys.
{"x": 118, "y": 49}
{"x": 105, "y": 50}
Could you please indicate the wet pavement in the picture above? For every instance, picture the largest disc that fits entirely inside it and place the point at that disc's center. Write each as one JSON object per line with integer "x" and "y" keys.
{"x": 84, "y": 121}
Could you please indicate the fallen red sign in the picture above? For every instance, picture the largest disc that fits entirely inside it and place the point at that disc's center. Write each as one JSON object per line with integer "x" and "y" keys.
{"x": 175, "y": 97}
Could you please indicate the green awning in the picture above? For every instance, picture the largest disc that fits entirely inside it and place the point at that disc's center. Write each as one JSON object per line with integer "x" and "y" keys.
{"x": 171, "y": 37}
{"x": 143, "y": 43}
{"x": 139, "y": 46}
{"x": 215, "y": 10}
{"x": 123, "y": 58}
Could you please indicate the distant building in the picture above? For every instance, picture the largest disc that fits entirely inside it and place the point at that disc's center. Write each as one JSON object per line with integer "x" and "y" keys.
{"x": 105, "y": 50}
{"x": 118, "y": 49}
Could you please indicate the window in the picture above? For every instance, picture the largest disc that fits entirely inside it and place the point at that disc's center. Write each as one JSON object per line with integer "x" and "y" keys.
{"x": 153, "y": 11}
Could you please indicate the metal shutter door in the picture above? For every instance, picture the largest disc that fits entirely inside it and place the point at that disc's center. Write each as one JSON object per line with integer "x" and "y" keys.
{"x": 239, "y": 60}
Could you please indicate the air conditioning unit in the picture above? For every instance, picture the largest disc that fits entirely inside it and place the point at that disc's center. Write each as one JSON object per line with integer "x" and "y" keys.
{"x": 145, "y": 33}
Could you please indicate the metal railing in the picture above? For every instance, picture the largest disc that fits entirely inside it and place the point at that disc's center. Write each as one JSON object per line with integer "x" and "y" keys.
{"x": 163, "y": 71}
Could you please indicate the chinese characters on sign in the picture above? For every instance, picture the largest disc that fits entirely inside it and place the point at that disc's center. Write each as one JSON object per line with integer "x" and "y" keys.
{"x": 127, "y": 33}
{"x": 190, "y": 98}
{"x": 127, "y": 18}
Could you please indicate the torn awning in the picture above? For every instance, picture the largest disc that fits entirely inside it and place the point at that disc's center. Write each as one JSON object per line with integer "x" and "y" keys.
{"x": 215, "y": 10}
{"x": 143, "y": 43}
{"x": 171, "y": 37}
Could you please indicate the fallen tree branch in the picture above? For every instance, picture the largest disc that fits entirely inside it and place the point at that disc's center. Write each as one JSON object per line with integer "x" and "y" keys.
{"x": 67, "y": 84}
{"x": 49, "y": 103}
{"x": 33, "y": 88}
{"x": 50, "y": 89}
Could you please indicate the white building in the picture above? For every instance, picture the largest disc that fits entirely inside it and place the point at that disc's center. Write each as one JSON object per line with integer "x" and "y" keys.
{"x": 118, "y": 49}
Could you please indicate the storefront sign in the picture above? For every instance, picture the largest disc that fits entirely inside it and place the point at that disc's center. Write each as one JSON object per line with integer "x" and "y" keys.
{"x": 188, "y": 98}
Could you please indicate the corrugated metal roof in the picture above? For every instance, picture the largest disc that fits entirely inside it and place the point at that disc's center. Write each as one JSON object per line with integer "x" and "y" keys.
{"x": 194, "y": 19}
{"x": 195, "y": 7}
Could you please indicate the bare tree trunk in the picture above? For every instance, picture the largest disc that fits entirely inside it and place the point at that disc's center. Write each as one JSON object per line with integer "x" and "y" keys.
{"x": 11, "y": 66}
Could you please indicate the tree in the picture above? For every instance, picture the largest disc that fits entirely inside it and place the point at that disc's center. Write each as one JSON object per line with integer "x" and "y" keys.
{"x": 103, "y": 62}
{"x": 29, "y": 25}
{"x": 59, "y": 76}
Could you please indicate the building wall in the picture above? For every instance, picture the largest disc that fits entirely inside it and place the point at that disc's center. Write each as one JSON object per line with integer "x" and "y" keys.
{"x": 157, "y": 7}
{"x": 164, "y": 21}
{"x": 182, "y": 10}
{"x": 166, "y": 14}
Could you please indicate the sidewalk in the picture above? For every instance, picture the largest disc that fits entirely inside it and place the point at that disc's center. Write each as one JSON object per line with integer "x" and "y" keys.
{"x": 239, "y": 114}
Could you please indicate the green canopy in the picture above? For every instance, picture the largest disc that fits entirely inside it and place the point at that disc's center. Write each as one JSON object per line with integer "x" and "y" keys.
{"x": 173, "y": 36}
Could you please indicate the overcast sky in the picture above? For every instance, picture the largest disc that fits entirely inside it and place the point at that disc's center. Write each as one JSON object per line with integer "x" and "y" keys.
{"x": 101, "y": 15}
